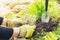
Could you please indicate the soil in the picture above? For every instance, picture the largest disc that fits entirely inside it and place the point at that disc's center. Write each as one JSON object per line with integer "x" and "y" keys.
{"x": 47, "y": 27}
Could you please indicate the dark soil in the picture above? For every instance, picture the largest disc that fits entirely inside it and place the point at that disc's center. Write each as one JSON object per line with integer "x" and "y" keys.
{"x": 47, "y": 27}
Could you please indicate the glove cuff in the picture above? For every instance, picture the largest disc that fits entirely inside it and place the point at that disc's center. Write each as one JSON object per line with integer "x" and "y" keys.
{"x": 22, "y": 32}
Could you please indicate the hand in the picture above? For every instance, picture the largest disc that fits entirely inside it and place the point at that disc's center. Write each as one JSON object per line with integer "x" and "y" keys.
{"x": 24, "y": 31}
{"x": 27, "y": 30}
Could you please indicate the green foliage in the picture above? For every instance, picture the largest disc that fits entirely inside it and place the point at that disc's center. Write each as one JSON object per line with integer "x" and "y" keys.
{"x": 50, "y": 36}
{"x": 54, "y": 9}
{"x": 32, "y": 13}
{"x": 57, "y": 32}
{"x": 38, "y": 36}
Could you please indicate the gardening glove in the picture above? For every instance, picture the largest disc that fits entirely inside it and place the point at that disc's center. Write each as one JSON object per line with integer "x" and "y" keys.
{"x": 27, "y": 30}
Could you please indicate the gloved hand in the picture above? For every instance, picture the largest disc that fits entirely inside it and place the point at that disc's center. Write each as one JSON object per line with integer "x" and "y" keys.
{"x": 27, "y": 30}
